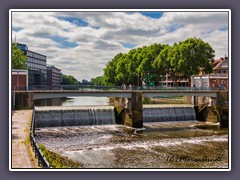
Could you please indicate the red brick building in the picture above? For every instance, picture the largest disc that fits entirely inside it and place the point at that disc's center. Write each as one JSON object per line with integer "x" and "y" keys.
{"x": 19, "y": 79}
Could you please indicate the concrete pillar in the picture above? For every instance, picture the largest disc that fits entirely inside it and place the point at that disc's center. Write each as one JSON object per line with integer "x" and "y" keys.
{"x": 24, "y": 100}
{"x": 200, "y": 82}
{"x": 134, "y": 111}
{"x": 222, "y": 98}
{"x": 195, "y": 100}
{"x": 192, "y": 81}
{"x": 208, "y": 80}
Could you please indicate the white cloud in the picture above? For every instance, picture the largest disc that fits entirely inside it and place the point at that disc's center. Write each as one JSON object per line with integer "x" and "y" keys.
{"x": 103, "y": 34}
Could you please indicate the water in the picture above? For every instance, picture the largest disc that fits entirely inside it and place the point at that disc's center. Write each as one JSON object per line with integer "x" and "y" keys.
{"x": 98, "y": 115}
{"x": 186, "y": 144}
{"x": 163, "y": 113}
{"x": 74, "y": 116}
{"x": 88, "y": 100}
{"x": 73, "y": 101}
{"x": 172, "y": 139}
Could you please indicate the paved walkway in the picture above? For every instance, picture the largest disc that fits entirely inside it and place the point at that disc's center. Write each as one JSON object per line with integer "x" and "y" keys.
{"x": 21, "y": 157}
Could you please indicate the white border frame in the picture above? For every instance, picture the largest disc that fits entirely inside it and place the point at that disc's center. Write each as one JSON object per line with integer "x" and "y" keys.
{"x": 118, "y": 10}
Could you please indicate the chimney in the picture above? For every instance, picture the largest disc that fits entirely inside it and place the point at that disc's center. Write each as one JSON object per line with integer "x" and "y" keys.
{"x": 226, "y": 58}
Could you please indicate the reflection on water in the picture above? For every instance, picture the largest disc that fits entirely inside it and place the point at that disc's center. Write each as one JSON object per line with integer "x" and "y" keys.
{"x": 73, "y": 101}
{"x": 188, "y": 144}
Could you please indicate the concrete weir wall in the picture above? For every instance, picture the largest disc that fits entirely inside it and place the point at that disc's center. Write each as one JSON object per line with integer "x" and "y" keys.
{"x": 134, "y": 111}
{"x": 129, "y": 110}
{"x": 57, "y": 116}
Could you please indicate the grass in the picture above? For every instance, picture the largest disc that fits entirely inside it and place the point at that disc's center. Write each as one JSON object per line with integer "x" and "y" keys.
{"x": 28, "y": 144}
{"x": 57, "y": 161}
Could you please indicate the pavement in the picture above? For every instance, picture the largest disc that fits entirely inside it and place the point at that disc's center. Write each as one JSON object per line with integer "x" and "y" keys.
{"x": 22, "y": 155}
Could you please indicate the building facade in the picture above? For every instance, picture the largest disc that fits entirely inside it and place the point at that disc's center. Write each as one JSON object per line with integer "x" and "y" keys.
{"x": 216, "y": 80}
{"x": 54, "y": 76}
{"x": 221, "y": 66}
{"x": 19, "y": 79}
{"x": 168, "y": 81}
{"x": 37, "y": 66}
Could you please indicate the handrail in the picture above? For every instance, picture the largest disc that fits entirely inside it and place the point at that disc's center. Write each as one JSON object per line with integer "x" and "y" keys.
{"x": 108, "y": 88}
{"x": 38, "y": 153}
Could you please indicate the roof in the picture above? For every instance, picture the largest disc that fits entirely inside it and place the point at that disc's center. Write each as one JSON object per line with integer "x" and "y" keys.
{"x": 218, "y": 62}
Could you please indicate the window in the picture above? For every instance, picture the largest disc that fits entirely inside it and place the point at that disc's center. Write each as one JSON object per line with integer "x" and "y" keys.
{"x": 224, "y": 64}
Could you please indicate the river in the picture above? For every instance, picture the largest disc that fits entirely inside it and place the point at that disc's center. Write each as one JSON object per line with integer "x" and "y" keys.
{"x": 178, "y": 144}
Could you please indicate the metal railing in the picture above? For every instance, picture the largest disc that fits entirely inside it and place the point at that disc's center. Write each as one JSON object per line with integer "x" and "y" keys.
{"x": 109, "y": 88}
{"x": 42, "y": 162}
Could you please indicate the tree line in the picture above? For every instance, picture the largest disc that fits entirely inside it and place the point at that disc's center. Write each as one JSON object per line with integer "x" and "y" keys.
{"x": 149, "y": 64}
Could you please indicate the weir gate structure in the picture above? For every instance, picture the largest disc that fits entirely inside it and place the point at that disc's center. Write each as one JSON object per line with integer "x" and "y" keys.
{"x": 131, "y": 100}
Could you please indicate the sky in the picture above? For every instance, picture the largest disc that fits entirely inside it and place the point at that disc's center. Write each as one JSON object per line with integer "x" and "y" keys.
{"x": 81, "y": 43}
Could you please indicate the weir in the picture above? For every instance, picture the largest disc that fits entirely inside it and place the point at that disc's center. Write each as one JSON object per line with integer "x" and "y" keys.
{"x": 131, "y": 114}
{"x": 56, "y": 116}
{"x": 73, "y": 116}
{"x": 166, "y": 113}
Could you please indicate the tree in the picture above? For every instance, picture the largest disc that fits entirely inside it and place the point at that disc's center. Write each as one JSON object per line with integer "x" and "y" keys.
{"x": 69, "y": 80}
{"x": 85, "y": 82}
{"x": 110, "y": 70}
{"x": 151, "y": 63}
{"x": 99, "y": 80}
{"x": 18, "y": 58}
{"x": 161, "y": 64}
{"x": 189, "y": 57}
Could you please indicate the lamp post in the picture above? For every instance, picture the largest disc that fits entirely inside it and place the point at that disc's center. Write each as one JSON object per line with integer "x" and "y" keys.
{"x": 138, "y": 80}
{"x": 148, "y": 79}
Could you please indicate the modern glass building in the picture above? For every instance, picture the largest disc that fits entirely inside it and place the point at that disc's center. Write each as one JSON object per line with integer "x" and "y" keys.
{"x": 37, "y": 66}
{"x": 54, "y": 76}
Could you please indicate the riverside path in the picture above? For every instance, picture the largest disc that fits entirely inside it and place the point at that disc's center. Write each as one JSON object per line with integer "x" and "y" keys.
{"x": 21, "y": 153}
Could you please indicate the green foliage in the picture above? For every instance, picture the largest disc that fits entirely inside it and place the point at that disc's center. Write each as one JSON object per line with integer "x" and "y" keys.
{"x": 85, "y": 82}
{"x": 57, "y": 161}
{"x": 151, "y": 63}
{"x": 99, "y": 80}
{"x": 187, "y": 58}
{"x": 18, "y": 58}
{"x": 69, "y": 80}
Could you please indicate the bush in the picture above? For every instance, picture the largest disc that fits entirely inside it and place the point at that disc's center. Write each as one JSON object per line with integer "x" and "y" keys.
{"x": 57, "y": 161}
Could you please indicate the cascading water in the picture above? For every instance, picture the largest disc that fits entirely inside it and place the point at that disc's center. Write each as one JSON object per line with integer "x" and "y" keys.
{"x": 74, "y": 116}
{"x": 164, "y": 113}
{"x": 98, "y": 115}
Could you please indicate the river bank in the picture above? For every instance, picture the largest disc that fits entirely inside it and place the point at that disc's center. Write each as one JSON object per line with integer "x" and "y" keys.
{"x": 22, "y": 156}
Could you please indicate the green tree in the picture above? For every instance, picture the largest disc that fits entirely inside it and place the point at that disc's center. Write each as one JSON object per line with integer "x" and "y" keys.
{"x": 189, "y": 57}
{"x": 85, "y": 82}
{"x": 110, "y": 70}
{"x": 69, "y": 80}
{"x": 18, "y": 58}
{"x": 99, "y": 80}
{"x": 151, "y": 63}
{"x": 146, "y": 68}
{"x": 161, "y": 64}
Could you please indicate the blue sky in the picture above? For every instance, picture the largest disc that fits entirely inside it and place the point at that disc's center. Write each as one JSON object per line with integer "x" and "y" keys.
{"x": 81, "y": 43}
{"x": 155, "y": 15}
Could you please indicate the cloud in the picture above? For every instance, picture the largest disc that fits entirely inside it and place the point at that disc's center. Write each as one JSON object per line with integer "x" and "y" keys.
{"x": 81, "y": 43}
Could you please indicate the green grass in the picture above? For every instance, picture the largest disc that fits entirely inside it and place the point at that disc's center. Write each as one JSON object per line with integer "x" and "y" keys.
{"x": 57, "y": 161}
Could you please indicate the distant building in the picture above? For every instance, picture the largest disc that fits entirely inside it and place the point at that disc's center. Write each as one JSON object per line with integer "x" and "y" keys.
{"x": 167, "y": 81}
{"x": 54, "y": 76}
{"x": 221, "y": 66}
{"x": 37, "y": 66}
{"x": 19, "y": 79}
{"x": 216, "y": 80}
